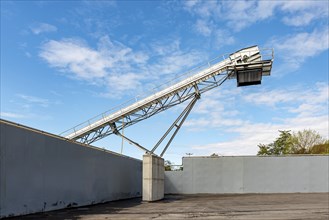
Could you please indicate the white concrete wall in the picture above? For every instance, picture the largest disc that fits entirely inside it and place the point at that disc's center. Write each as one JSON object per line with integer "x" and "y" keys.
{"x": 153, "y": 178}
{"x": 41, "y": 172}
{"x": 250, "y": 174}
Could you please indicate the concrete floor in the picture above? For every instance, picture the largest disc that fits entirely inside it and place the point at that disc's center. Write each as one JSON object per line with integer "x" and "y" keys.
{"x": 237, "y": 206}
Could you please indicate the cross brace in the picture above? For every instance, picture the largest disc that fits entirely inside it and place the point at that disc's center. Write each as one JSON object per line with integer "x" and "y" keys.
{"x": 177, "y": 124}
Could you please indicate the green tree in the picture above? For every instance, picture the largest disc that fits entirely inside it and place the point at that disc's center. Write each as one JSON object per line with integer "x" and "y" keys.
{"x": 303, "y": 141}
{"x": 264, "y": 149}
{"x": 282, "y": 145}
{"x": 167, "y": 165}
{"x": 320, "y": 148}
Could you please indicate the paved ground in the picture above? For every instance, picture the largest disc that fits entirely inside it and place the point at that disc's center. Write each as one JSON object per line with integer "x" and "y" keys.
{"x": 244, "y": 206}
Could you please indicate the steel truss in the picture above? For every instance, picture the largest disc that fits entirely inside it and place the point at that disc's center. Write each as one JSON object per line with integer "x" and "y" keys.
{"x": 247, "y": 66}
{"x": 155, "y": 108}
{"x": 177, "y": 124}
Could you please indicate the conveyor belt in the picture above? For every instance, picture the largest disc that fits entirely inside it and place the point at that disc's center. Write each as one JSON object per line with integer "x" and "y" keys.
{"x": 247, "y": 60}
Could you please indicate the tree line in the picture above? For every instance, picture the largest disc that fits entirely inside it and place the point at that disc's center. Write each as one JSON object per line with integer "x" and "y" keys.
{"x": 302, "y": 142}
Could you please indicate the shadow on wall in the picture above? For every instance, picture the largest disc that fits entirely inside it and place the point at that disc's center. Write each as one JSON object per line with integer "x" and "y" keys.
{"x": 43, "y": 172}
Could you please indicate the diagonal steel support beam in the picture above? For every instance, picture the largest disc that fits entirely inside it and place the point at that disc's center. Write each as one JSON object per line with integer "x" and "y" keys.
{"x": 177, "y": 124}
{"x": 115, "y": 131}
{"x": 180, "y": 124}
{"x": 134, "y": 143}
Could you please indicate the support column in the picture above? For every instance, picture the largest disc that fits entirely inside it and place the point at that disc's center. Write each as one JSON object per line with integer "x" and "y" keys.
{"x": 153, "y": 178}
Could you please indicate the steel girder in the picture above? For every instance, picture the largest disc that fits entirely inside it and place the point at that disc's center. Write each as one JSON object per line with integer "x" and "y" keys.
{"x": 242, "y": 63}
{"x": 156, "y": 107}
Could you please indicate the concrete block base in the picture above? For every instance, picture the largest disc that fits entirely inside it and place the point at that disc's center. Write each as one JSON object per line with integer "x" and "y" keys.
{"x": 153, "y": 178}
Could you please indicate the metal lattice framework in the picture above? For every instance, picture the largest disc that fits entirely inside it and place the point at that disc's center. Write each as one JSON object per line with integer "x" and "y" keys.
{"x": 247, "y": 61}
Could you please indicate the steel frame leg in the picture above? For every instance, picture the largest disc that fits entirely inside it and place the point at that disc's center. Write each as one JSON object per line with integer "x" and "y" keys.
{"x": 115, "y": 131}
{"x": 177, "y": 125}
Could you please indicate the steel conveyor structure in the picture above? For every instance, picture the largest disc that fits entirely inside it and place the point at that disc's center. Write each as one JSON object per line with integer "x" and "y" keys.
{"x": 247, "y": 66}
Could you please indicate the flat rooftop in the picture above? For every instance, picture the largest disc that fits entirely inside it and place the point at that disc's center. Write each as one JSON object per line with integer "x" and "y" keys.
{"x": 313, "y": 206}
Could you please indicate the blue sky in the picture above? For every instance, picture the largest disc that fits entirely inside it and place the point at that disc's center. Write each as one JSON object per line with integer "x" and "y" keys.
{"x": 63, "y": 62}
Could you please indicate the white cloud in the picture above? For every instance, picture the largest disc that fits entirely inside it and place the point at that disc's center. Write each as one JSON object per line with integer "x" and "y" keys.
{"x": 110, "y": 60}
{"x": 222, "y": 38}
{"x": 204, "y": 9}
{"x": 314, "y": 122}
{"x": 250, "y": 135}
{"x": 295, "y": 109}
{"x": 190, "y": 4}
{"x": 203, "y": 27}
{"x": 38, "y": 28}
{"x": 216, "y": 108}
{"x": 28, "y": 107}
{"x": 304, "y": 101}
{"x": 35, "y": 100}
{"x": 215, "y": 100}
{"x": 170, "y": 59}
{"x": 299, "y": 20}
{"x": 75, "y": 57}
{"x": 164, "y": 48}
{"x": 177, "y": 62}
{"x": 27, "y": 102}
{"x": 27, "y": 54}
{"x": 11, "y": 115}
{"x": 122, "y": 83}
{"x": 301, "y": 13}
{"x": 295, "y": 49}
{"x": 237, "y": 14}
{"x": 208, "y": 22}
{"x": 245, "y": 144}
{"x": 303, "y": 45}
{"x": 116, "y": 66}
{"x": 314, "y": 95}
{"x": 241, "y": 14}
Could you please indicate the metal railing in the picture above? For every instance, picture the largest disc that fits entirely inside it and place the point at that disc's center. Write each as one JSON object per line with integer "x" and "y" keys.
{"x": 144, "y": 95}
{"x": 267, "y": 55}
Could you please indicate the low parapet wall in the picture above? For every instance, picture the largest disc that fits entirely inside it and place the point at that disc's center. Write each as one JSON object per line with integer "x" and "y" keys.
{"x": 42, "y": 172}
{"x": 250, "y": 174}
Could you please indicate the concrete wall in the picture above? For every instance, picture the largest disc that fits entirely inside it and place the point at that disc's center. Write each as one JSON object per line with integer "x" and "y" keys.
{"x": 250, "y": 174}
{"x": 41, "y": 172}
{"x": 153, "y": 178}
